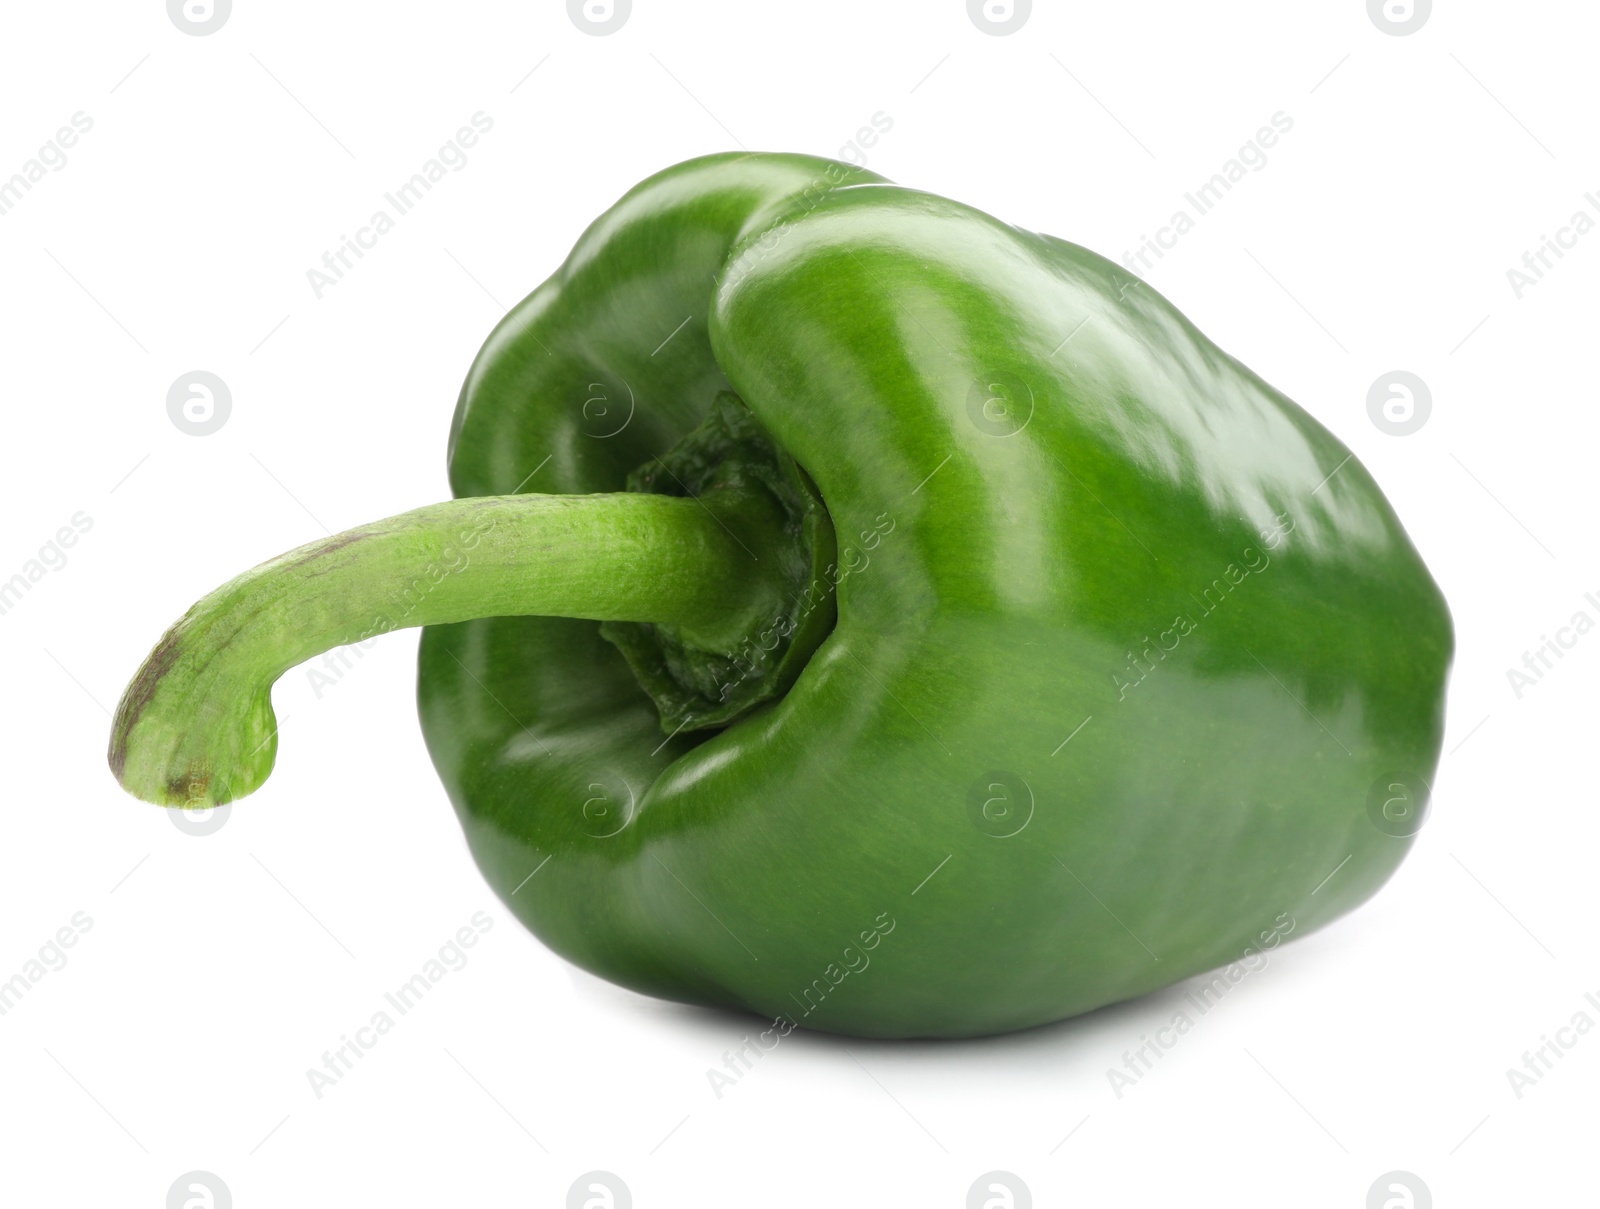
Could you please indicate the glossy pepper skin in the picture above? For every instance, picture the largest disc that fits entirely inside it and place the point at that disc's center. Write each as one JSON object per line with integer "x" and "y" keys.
{"x": 1126, "y": 642}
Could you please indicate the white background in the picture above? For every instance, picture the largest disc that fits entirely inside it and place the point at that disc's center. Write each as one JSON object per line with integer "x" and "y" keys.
{"x": 218, "y": 969}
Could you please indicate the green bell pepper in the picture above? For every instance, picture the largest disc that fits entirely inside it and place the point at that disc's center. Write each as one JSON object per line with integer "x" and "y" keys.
{"x": 979, "y": 644}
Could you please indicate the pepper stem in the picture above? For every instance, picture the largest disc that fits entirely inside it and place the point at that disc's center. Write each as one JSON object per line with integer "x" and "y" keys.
{"x": 196, "y": 728}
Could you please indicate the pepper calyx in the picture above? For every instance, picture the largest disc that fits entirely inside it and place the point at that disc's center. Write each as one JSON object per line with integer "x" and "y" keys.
{"x": 700, "y": 685}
